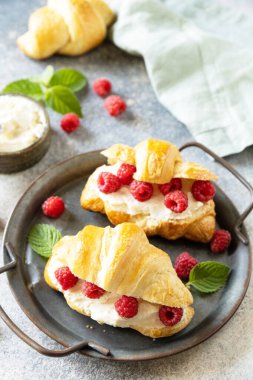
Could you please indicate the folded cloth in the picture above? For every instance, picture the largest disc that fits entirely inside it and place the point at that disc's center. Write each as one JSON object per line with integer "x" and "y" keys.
{"x": 199, "y": 58}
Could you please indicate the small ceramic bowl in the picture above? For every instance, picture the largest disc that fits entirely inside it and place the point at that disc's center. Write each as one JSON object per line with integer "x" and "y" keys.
{"x": 22, "y": 159}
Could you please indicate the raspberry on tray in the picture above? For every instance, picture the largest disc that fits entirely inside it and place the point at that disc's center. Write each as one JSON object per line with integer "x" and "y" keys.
{"x": 220, "y": 241}
{"x": 53, "y": 207}
{"x": 184, "y": 264}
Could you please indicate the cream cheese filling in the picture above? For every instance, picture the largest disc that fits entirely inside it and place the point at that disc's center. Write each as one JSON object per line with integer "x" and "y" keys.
{"x": 154, "y": 208}
{"x": 22, "y": 122}
{"x": 102, "y": 309}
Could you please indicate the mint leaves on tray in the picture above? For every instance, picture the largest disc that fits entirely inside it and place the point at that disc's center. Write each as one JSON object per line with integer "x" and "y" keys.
{"x": 42, "y": 238}
{"x": 208, "y": 276}
{"x": 56, "y": 88}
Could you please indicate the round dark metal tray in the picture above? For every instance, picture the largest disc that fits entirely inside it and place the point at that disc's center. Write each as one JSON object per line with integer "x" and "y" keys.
{"x": 48, "y": 310}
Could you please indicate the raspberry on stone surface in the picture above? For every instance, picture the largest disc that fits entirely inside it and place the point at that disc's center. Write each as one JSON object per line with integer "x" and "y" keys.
{"x": 184, "y": 264}
{"x": 102, "y": 86}
{"x": 220, "y": 241}
{"x": 53, "y": 207}
{"x": 108, "y": 182}
{"x": 114, "y": 105}
{"x": 174, "y": 184}
{"x": 125, "y": 173}
{"x": 91, "y": 290}
{"x": 70, "y": 122}
{"x": 170, "y": 316}
{"x": 65, "y": 278}
{"x": 176, "y": 201}
{"x": 126, "y": 307}
{"x": 141, "y": 191}
{"x": 203, "y": 191}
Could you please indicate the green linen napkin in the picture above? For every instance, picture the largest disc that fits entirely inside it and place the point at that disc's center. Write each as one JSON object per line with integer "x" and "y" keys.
{"x": 199, "y": 58}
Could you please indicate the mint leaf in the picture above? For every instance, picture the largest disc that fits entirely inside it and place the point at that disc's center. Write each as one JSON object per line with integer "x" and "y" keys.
{"x": 69, "y": 78}
{"x": 61, "y": 99}
{"x": 208, "y": 276}
{"x": 42, "y": 238}
{"x": 47, "y": 74}
{"x": 24, "y": 87}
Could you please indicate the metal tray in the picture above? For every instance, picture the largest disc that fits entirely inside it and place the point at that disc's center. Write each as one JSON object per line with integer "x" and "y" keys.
{"x": 48, "y": 310}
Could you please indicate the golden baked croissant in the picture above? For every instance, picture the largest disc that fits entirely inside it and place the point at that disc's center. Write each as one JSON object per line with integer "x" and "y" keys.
{"x": 157, "y": 162}
{"x": 69, "y": 27}
{"x": 122, "y": 263}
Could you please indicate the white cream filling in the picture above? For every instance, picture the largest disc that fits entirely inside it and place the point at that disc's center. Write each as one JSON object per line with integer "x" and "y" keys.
{"x": 153, "y": 208}
{"x": 102, "y": 309}
{"x": 22, "y": 122}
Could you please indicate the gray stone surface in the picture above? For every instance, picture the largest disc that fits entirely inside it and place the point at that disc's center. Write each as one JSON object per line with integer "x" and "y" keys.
{"x": 228, "y": 354}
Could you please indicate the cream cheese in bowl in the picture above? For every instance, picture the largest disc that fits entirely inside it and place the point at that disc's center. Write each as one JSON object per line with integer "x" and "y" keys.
{"x": 24, "y": 132}
{"x": 22, "y": 123}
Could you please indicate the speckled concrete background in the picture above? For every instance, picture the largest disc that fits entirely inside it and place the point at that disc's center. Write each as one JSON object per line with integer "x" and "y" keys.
{"x": 228, "y": 354}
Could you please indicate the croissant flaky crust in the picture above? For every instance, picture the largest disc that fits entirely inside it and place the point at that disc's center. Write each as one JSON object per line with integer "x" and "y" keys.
{"x": 157, "y": 162}
{"x": 122, "y": 261}
{"x": 69, "y": 27}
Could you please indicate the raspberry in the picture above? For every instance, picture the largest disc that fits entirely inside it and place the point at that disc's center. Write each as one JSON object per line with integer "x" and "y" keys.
{"x": 125, "y": 173}
{"x": 170, "y": 316}
{"x": 184, "y": 264}
{"x": 142, "y": 191}
{"x": 65, "y": 278}
{"x": 108, "y": 182}
{"x": 70, "y": 122}
{"x": 53, "y": 207}
{"x": 126, "y": 307}
{"x": 174, "y": 184}
{"x": 220, "y": 241}
{"x": 203, "y": 191}
{"x": 91, "y": 290}
{"x": 114, "y": 105}
{"x": 102, "y": 86}
{"x": 176, "y": 201}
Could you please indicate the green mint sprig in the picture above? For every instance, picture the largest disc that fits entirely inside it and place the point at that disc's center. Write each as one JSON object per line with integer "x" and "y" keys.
{"x": 56, "y": 88}
{"x": 42, "y": 238}
{"x": 208, "y": 276}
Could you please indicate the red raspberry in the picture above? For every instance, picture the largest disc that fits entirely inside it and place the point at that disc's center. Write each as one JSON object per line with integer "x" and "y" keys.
{"x": 170, "y": 316}
{"x": 108, "y": 182}
{"x": 102, "y": 86}
{"x": 53, "y": 207}
{"x": 65, "y": 278}
{"x": 125, "y": 173}
{"x": 91, "y": 290}
{"x": 184, "y": 264}
{"x": 220, "y": 241}
{"x": 203, "y": 191}
{"x": 126, "y": 307}
{"x": 174, "y": 184}
{"x": 114, "y": 105}
{"x": 176, "y": 201}
{"x": 142, "y": 191}
{"x": 70, "y": 122}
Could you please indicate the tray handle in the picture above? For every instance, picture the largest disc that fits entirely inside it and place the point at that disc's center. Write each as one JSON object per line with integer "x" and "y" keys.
{"x": 36, "y": 346}
{"x": 226, "y": 165}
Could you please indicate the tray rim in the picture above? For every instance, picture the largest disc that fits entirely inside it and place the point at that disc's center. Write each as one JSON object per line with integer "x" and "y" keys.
{"x": 90, "y": 354}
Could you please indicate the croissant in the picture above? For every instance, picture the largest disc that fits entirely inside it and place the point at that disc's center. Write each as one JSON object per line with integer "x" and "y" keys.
{"x": 157, "y": 162}
{"x": 122, "y": 262}
{"x": 69, "y": 27}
